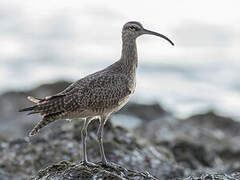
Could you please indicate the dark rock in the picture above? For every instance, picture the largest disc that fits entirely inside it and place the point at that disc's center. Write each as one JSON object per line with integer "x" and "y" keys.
{"x": 192, "y": 155}
{"x": 212, "y": 121}
{"x": 66, "y": 170}
{"x": 15, "y": 124}
{"x": 6, "y": 176}
{"x": 233, "y": 176}
{"x": 218, "y": 134}
{"x": 171, "y": 150}
{"x": 200, "y": 143}
{"x": 11, "y": 102}
{"x": 144, "y": 111}
{"x": 122, "y": 147}
{"x": 48, "y": 89}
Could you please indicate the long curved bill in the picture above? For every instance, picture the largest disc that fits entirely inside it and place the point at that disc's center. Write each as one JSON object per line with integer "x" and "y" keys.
{"x": 145, "y": 31}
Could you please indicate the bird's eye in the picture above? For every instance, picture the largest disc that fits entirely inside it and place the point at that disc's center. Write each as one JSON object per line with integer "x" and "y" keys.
{"x": 133, "y": 28}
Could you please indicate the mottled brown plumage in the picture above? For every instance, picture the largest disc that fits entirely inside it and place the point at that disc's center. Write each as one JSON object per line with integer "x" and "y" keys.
{"x": 98, "y": 94}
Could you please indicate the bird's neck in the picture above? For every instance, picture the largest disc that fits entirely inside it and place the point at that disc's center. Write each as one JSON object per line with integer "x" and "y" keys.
{"x": 129, "y": 56}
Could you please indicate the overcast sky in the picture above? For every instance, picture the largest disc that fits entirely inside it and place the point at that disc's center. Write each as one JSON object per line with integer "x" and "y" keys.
{"x": 206, "y": 27}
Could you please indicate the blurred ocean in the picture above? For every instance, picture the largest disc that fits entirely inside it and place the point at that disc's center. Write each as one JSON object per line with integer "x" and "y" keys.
{"x": 68, "y": 41}
{"x": 184, "y": 89}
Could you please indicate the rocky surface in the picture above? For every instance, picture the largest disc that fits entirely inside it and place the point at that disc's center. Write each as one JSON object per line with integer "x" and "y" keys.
{"x": 202, "y": 143}
{"x": 145, "y": 112}
{"x": 24, "y": 159}
{"x": 202, "y": 147}
{"x": 68, "y": 170}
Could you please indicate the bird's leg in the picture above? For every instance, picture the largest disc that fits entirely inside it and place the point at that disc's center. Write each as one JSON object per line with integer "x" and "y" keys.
{"x": 100, "y": 139}
{"x": 84, "y": 139}
{"x": 104, "y": 161}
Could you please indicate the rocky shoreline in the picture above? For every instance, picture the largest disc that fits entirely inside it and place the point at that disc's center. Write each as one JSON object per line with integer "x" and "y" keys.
{"x": 204, "y": 146}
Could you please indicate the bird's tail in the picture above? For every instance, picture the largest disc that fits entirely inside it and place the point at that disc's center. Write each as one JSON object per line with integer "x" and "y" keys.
{"x": 32, "y": 108}
{"x": 50, "y": 108}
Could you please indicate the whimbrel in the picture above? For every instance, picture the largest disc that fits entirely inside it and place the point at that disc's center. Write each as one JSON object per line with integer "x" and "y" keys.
{"x": 97, "y": 95}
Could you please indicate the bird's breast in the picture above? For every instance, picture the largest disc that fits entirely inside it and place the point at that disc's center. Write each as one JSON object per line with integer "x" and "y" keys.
{"x": 132, "y": 83}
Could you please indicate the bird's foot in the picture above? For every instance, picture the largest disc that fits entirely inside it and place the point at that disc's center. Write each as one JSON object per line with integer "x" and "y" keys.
{"x": 112, "y": 166}
{"x": 88, "y": 163}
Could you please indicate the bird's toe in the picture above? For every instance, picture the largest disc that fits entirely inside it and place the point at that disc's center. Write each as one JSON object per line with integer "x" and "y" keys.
{"x": 88, "y": 163}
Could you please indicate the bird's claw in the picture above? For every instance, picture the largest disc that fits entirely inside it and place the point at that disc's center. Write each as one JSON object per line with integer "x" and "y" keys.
{"x": 89, "y": 164}
{"x": 112, "y": 165}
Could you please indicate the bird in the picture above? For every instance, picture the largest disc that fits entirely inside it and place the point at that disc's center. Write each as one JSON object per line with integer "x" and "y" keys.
{"x": 97, "y": 95}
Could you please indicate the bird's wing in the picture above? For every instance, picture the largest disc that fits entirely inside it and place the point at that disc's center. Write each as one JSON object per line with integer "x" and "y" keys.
{"x": 93, "y": 92}
{"x": 104, "y": 91}
{"x": 97, "y": 91}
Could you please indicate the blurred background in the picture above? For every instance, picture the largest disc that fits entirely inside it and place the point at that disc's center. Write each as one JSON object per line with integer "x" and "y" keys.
{"x": 184, "y": 117}
{"x": 48, "y": 41}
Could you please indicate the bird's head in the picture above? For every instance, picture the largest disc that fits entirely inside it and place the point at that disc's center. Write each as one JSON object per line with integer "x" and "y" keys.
{"x": 135, "y": 29}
